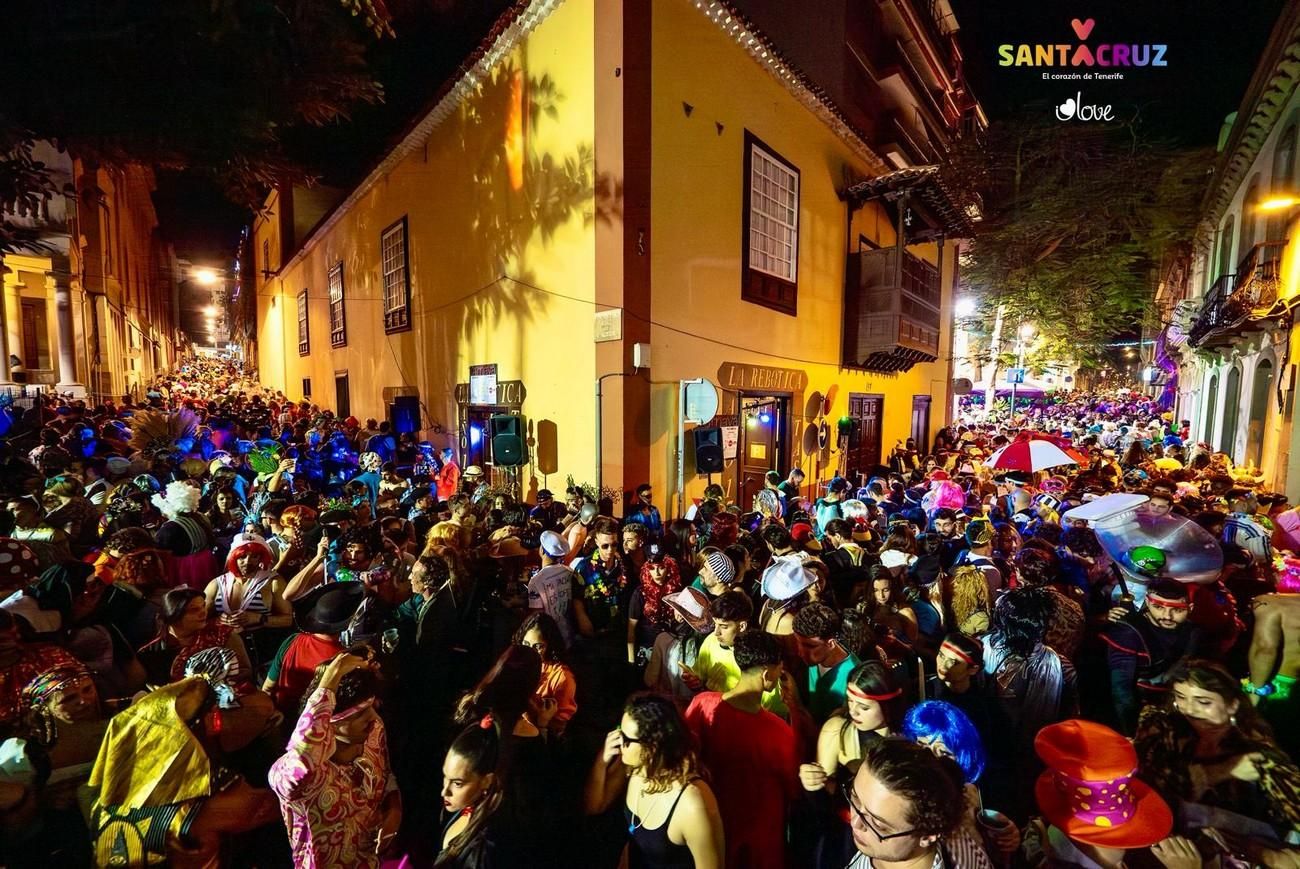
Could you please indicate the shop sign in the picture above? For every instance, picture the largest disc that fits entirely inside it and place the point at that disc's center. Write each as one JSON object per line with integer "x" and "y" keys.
{"x": 761, "y": 378}
{"x": 509, "y": 393}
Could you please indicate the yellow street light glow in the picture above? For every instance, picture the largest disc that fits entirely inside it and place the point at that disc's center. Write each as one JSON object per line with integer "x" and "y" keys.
{"x": 1278, "y": 203}
{"x": 210, "y": 310}
{"x": 207, "y": 277}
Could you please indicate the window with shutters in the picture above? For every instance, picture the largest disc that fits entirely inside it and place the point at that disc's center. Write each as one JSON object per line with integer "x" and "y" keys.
{"x": 338, "y": 325}
{"x": 304, "y": 333}
{"x": 770, "y": 247}
{"x": 396, "y": 274}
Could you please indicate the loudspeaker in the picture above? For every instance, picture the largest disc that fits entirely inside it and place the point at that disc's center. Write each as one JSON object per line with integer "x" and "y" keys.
{"x": 508, "y": 449}
{"x": 404, "y": 414}
{"x": 708, "y": 450}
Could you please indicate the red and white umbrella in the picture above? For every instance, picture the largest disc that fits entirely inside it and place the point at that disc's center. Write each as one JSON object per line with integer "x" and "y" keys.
{"x": 1031, "y": 454}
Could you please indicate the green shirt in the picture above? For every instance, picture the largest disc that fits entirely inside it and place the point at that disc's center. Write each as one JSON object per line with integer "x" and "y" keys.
{"x": 826, "y": 691}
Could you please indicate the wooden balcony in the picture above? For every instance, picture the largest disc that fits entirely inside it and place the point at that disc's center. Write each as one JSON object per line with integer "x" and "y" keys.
{"x": 891, "y": 311}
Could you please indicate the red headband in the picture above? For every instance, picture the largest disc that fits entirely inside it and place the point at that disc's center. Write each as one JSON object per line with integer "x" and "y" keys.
{"x": 1166, "y": 602}
{"x": 859, "y": 694}
{"x": 956, "y": 652}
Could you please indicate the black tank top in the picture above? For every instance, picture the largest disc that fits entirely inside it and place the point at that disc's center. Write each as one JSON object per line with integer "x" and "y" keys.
{"x": 652, "y": 849}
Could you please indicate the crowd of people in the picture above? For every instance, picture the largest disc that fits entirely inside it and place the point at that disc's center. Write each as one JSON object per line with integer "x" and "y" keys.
{"x": 236, "y": 630}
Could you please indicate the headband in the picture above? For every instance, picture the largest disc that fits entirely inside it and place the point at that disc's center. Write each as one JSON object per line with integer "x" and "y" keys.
{"x": 859, "y": 694}
{"x": 1168, "y": 602}
{"x": 948, "y": 647}
{"x": 352, "y": 711}
{"x": 40, "y": 689}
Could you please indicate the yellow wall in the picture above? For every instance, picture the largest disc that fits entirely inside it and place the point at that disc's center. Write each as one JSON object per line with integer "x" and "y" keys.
{"x": 468, "y": 230}
{"x": 700, "y": 319}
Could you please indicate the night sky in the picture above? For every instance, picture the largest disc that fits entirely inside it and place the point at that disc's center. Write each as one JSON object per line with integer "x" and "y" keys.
{"x": 1213, "y": 47}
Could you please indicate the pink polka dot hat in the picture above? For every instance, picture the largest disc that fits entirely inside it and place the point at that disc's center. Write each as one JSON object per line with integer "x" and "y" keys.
{"x": 1089, "y": 791}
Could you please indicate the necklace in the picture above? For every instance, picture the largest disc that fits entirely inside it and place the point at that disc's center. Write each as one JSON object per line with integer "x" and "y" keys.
{"x": 637, "y": 820}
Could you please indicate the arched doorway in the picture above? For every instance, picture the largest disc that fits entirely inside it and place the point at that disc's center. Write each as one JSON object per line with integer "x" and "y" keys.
{"x": 1259, "y": 392}
{"x": 1210, "y": 410}
{"x": 1231, "y": 409}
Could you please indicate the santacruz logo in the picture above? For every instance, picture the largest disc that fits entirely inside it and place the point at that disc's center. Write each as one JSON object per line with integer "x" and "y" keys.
{"x": 1107, "y": 55}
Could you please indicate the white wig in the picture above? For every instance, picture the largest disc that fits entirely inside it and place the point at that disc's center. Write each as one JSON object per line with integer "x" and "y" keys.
{"x": 181, "y": 498}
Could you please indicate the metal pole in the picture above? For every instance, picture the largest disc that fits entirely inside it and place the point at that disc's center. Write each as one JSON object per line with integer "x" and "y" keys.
{"x": 995, "y": 349}
{"x": 600, "y": 464}
{"x": 681, "y": 448}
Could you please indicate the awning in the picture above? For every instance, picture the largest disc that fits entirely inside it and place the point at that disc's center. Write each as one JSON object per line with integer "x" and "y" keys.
{"x": 927, "y": 185}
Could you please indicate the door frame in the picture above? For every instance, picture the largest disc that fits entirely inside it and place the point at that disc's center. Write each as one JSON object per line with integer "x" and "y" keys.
{"x": 781, "y": 451}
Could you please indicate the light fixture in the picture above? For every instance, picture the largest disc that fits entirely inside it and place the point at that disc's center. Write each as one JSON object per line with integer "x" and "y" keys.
{"x": 765, "y": 417}
{"x": 1027, "y": 331}
{"x": 1278, "y": 203}
{"x": 210, "y": 310}
{"x": 964, "y": 308}
{"x": 207, "y": 277}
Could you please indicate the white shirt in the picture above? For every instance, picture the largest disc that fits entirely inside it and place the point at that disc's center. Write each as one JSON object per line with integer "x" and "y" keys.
{"x": 551, "y": 590}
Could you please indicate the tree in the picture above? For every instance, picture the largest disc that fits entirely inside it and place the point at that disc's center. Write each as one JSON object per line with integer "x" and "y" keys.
{"x": 205, "y": 85}
{"x": 1077, "y": 219}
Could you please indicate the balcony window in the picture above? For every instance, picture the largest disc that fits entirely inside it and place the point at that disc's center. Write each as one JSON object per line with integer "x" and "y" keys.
{"x": 770, "y": 251}
{"x": 396, "y": 274}
{"x": 338, "y": 324}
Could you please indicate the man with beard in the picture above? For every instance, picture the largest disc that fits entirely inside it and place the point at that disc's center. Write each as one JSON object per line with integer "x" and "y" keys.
{"x": 1145, "y": 647}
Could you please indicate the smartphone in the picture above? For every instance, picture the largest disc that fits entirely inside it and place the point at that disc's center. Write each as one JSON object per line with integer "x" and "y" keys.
{"x": 332, "y": 532}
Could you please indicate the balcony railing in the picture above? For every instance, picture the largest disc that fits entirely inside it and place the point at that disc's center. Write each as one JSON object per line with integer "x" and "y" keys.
{"x": 1260, "y": 272}
{"x": 1211, "y": 315}
{"x": 1234, "y": 300}
{"x": 891, "y": 310}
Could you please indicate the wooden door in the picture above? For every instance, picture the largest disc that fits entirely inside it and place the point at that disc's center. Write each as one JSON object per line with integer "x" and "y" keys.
{"x": 342, "y": 396}
{"x": 921, "y": 423}
{"x": 763, "y": 443}
{"x": 866, "y": 409}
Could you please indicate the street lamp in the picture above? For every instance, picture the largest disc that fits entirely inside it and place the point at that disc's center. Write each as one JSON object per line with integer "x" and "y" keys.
{"x": 964, "y": 308}
{"x": 207, "y": 277}
{"x": 1278, "y": 203}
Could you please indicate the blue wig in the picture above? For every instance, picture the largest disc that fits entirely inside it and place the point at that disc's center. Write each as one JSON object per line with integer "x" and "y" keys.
{"x": 935, "y": 719}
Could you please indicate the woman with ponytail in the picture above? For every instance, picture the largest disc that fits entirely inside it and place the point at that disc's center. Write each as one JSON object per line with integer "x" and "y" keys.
{"x": 472, "y": 788}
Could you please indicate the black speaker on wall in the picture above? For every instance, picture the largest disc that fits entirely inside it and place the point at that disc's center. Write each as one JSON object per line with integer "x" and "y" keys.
{"x": 508, "y": 449}
{"x": 404, "y": 414}
{"x": 708, "y": 450}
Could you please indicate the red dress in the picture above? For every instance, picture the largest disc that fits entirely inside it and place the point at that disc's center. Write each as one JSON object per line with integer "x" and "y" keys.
{"x": 754, "y": 772}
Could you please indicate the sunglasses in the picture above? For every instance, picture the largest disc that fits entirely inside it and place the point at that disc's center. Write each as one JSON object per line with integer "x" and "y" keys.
{"x": 846, "y": 788}
{"x": 628, "y": 739}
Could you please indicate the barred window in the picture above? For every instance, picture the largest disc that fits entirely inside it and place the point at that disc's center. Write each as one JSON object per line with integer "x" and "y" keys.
{"x": 304, "y": 334}
{"x": 338, "y": 325}
{"x": 771, "y": 244}
{"x": 396, "y": 274}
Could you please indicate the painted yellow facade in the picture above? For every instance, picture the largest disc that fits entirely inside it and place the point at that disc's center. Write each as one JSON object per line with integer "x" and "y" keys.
{"x": 95, "y": 312}
{"x": 629, "y": 206}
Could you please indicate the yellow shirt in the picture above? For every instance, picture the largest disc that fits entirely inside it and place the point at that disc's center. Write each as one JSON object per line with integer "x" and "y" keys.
{"x": 716, "y": 668}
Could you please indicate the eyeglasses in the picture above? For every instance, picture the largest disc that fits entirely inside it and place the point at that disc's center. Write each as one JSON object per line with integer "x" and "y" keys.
{"x": 627, "y": 738}
{"x": 846, "y": 788}
{"x": 540, "y": 647}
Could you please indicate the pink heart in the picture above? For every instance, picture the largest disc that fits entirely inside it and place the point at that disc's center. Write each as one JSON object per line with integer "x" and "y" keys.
{"x": 1082, "y": 29}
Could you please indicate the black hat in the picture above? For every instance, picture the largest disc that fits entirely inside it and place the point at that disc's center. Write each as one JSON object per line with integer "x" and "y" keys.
{"x": 328, "y": 609}
{"x": 333, "y": 517}
{"x": 545, "y": 495}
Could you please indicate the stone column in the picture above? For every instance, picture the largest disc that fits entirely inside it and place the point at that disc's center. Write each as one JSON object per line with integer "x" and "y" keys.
{"x": 66, "y": 335}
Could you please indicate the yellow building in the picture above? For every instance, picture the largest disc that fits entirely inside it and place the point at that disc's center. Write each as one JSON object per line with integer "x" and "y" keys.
{"x": 617, "y": 196}
{"x": 91, "y": 311}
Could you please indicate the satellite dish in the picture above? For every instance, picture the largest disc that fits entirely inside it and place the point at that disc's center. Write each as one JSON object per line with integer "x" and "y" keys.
{"x": 810, "y": 438}
{"x": 813, "y": 406}
{"x": 829, "y": 400}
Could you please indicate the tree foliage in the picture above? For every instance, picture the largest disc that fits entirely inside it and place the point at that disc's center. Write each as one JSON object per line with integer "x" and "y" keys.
{"x": 204, "y": 85}
{"x": 1077, "y": 222}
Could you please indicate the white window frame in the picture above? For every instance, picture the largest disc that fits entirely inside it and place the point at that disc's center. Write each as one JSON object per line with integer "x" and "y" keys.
{"x": 394, "y": 266}
{"x": 773, "y": 215}
{"x": 338, "y": 313}
{"x": 304, "y": 325}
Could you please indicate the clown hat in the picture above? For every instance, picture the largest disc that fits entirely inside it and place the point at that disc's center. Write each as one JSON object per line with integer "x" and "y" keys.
{"x": 1088, "y": 791}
